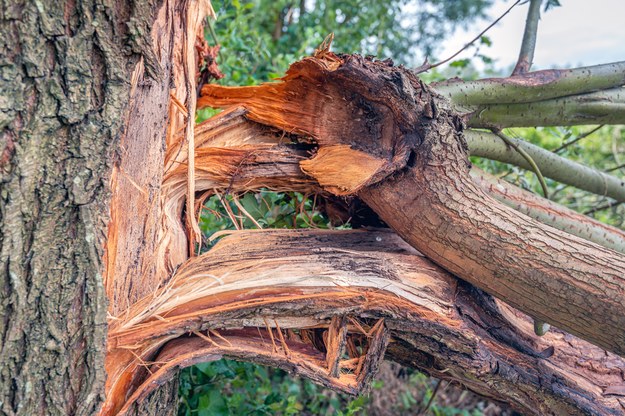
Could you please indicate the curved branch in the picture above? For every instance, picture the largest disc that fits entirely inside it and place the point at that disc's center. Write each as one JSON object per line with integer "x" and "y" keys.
{"x": 563, "y": 170}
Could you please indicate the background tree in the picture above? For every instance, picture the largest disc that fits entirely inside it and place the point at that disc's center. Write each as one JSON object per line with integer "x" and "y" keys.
{"x": 261, "y": 38}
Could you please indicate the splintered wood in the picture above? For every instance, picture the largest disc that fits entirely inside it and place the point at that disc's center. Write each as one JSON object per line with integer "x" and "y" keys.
{"x": 328, "y": 305}
{"x": 335, "y": 304}
{"x": 297, "y": 355}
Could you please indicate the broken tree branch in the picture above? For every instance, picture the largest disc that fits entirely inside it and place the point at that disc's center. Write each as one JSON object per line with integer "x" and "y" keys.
{"x": 403, "y": 153}
{"x": 307, "y": 280}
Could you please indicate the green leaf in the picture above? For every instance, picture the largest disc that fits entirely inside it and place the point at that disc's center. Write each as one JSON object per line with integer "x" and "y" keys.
{"x": 485, "y": 40}
{"x": 460, "y": 63}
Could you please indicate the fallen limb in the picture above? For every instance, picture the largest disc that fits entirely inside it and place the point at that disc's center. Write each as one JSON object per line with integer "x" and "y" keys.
{"x": 401, "y": 150}
{"x": 269, "y": 297}
{"x": 226, "y": 165}
{"x": 238, "y": 155}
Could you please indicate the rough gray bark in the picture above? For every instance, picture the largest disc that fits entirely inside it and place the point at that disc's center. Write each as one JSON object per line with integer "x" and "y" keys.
{"x": 64, "y": 90}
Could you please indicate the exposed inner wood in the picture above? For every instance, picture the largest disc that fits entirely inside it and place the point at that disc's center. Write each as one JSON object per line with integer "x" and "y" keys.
{"x": 162, "y": 95}
{"x": 135, "y": 230}
{"x": 248, "y": 156}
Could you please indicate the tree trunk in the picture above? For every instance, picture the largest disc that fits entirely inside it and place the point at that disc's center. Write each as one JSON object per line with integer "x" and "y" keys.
{"x": 85, "y": 95}
{"x": 63, "y": 106}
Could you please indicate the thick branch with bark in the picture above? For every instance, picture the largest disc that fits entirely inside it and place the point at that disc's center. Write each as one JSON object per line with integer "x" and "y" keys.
{"x": 601, "y": 107}
{"x": 550, "y": 213}
{"x": 238, "y": 155}
{"x": 384, "y": 136}
{"x": 63, "y": 109}
{"x": 533, "y": 86}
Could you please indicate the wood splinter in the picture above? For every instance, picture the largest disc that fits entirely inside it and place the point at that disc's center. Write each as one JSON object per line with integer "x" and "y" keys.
{"x": 335, "y": 344}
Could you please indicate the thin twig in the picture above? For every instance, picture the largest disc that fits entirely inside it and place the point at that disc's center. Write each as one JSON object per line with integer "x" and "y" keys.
{"x": 602, "y": 207}
{"x": 578, "y": 138}
{"x": 426, "y": 65}
{"x": 527, "y": 157}
{"x": 429, "y": 403}
{"x": 528, "y": 45}
{"x": 616, "y": 168}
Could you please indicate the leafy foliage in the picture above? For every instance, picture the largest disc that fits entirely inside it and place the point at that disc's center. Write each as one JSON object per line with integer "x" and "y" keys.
{"x": 265, "y": 209}
{"x": 227, "y": 387}
{"x": 260, "y": 38}
{"x": 269, "y": 210}
{"x": 235, "y": 388}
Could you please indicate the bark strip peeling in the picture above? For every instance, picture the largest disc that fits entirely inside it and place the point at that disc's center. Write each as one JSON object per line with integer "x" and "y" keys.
{"x": 420, "y": 186}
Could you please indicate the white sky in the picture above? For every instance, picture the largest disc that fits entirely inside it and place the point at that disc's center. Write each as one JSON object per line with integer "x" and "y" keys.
{"x": 581, "y": 32}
